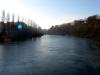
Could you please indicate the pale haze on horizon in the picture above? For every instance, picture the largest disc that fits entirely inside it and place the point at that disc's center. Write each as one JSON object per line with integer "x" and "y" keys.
{"x": 51, "y": 12}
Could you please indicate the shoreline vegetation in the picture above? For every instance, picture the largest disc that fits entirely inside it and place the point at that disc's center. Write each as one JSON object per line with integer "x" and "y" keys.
{"x": 20, "y": 31}
{"x": 85, "y": 28}
{"x": 17, "y": 31}
{"x": 10, "y": 32}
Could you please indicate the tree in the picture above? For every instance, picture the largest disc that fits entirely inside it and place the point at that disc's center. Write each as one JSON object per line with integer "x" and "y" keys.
{"x": 13, "y": 18}
{"x": 8, "y": 17}
{"x": 18, "y": 18}
{"x": 3, "y": 15}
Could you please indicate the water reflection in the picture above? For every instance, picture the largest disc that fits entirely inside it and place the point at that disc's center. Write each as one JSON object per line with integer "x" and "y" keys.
{"x": 51, "y": 55}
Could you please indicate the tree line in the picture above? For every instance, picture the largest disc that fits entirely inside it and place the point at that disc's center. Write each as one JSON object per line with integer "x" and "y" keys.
{"x": 17, "y": 31}
{"x": 89, "y": 28}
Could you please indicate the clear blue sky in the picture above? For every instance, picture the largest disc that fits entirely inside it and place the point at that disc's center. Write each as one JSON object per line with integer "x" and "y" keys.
{"x": 52, "y": 12}
{"x": 65, "y": 7}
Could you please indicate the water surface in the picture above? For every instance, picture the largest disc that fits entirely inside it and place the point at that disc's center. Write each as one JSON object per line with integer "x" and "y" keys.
{"x": 51, "y": 55}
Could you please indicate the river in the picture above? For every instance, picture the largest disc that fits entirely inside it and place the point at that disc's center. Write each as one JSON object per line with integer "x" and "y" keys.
{"x": 51, "y": 55}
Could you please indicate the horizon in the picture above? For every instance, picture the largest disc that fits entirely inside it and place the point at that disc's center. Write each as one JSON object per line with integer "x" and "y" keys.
{"x": 46, "y": 13}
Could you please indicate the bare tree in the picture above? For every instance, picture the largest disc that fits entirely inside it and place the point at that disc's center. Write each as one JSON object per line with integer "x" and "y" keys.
{"x": 8, "y": 17}
{"x": 18, "y": 18}
{"x": 3, "y": 15}
{"x": 13, "y": 17}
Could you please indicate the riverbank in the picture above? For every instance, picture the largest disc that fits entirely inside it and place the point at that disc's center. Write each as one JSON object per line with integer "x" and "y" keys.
{"x": 86, "y": 28}
{"x": 18, "y": 31}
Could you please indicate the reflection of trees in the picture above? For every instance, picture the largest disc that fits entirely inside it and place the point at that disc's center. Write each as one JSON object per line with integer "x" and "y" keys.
{"x": 89, "y": 27}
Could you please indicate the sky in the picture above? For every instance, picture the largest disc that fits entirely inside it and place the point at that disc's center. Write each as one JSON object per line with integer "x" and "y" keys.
{"x": 46, "y": 13}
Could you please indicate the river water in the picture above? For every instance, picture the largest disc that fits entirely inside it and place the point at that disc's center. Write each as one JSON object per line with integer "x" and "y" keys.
{"x": 51, "y": 55}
